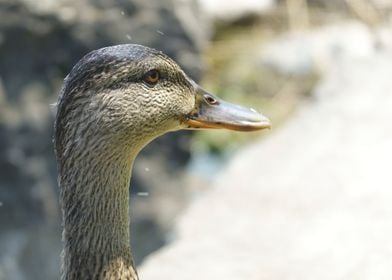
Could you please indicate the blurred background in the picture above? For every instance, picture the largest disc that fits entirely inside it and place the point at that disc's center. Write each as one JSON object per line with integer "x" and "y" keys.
{"x": 310, "y": 199}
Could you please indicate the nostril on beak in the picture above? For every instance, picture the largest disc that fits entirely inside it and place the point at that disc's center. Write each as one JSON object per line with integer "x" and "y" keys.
{"x": 210, "y": 99}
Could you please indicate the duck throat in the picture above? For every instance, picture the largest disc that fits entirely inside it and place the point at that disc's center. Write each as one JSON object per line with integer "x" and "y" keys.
{"x": 94, "y": 196}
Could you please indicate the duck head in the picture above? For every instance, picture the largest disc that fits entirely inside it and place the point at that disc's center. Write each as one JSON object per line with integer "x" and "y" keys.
{"x": 130, "y": 91}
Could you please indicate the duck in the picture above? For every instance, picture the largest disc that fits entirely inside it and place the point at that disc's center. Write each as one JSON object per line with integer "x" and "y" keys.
{"x": 115, "y": 101}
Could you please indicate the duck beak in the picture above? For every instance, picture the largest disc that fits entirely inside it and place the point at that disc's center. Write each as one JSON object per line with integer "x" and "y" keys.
{"x": 211, "y": 112}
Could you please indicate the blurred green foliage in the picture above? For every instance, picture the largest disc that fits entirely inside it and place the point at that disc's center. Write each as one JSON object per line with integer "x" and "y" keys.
{"x": 234, "y": 72}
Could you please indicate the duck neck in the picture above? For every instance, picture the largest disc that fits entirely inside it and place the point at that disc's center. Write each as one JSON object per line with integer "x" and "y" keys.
{"x": 94, "y": 195}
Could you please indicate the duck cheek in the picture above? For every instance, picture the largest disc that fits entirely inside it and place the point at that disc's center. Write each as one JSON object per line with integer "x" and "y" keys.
{"x": 186, "y": 106}
{"x": 177, "y": 124}
{"x": 171, "y": 123}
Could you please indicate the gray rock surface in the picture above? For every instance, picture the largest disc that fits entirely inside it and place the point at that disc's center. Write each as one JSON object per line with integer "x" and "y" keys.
{"x": 382, "y": 4}
{"x": 311, "y": 201}
{"x": 231, "y": 10}
{"x": 317, "y": 51}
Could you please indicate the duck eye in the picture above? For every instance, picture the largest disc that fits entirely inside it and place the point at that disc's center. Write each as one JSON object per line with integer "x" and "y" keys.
{"x": 151, "y": 77}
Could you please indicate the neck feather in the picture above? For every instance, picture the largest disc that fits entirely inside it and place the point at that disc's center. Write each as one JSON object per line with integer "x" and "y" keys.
{"x": 94, "y": 195}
